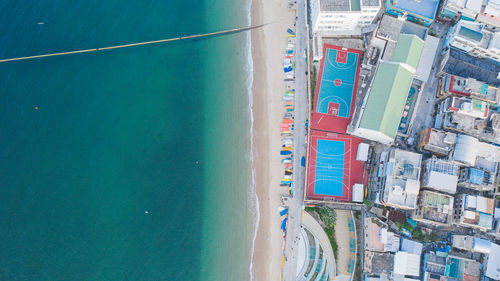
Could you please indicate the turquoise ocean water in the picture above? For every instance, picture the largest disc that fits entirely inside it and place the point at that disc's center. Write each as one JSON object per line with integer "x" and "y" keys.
{"x": 162, "y": 129}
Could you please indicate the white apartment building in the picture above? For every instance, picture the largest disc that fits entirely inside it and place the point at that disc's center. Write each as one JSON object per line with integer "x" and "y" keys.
{"x": 466, "y": 8}
{"x": 475, "y": 39}
{"x": 399, "y": 179}
{"x": 483, "y": 11}
{"x": 491, "y": 13}
{"x": 342, "y": 17}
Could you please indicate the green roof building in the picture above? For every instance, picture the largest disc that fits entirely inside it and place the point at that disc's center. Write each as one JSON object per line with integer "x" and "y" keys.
{"x": 385, "y": 101}
{"x": 408, "y": 50}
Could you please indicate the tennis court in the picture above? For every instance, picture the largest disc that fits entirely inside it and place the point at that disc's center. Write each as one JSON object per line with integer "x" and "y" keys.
{"x": 332, "y": 166}
{"x": 336, "y": 90}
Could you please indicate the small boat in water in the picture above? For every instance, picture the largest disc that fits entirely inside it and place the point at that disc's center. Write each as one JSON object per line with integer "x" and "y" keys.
{"x": 285, "y": 152}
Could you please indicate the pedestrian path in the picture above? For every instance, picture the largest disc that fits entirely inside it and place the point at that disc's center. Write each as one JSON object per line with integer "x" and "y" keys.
{"x": 345, "y": 235}
{"x": 315, "y": 228}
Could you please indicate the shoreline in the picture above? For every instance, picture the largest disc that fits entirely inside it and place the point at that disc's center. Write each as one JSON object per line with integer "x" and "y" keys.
{"x": 254, "y": 200}
{"x": 267, "y": 47}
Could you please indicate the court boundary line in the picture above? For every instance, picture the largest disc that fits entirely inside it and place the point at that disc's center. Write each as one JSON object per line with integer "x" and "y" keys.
{"x": 328, "y": 161}
{"x": 336, "y": 64}
{"x": 350, "y": 175}
{"x": 320, "y": 80}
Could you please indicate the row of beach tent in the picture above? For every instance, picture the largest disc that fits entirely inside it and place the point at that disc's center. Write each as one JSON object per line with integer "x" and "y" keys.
{"x": 286, "y": 126}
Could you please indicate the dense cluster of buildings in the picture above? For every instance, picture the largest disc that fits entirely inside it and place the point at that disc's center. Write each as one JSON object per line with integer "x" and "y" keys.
{"x": 428, "y": 105}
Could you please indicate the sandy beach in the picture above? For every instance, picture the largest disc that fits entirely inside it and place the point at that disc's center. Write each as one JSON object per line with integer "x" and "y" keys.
{"x": 268, "y": 46}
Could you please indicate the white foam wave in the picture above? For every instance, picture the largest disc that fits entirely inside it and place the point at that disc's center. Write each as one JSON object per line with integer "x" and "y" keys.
{"x": 252, "y": 196}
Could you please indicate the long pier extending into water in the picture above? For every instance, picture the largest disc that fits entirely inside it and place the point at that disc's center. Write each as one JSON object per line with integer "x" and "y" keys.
{"x": 137, "y": 44}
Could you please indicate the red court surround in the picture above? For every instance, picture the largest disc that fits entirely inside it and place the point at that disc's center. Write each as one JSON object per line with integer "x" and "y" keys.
{"x": 326, "y": 122}
{"x": 341, "y": 57}
{"x": 354, "y": 171}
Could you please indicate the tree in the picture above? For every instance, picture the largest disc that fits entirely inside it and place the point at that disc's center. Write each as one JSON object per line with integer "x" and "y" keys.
{"x": 328, "y": 216}
{"x": 367, "y": 203}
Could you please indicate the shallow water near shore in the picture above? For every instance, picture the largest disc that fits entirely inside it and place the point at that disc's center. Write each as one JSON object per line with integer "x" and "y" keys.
{"x": 130, "y": 164}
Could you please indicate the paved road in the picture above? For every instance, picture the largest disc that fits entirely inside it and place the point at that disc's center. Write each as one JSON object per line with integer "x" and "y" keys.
{"x": 301, "y": 107}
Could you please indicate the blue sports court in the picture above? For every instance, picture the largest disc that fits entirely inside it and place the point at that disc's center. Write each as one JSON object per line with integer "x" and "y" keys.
{"x": 337, "y": 83}
{"x": 329, "y": 168}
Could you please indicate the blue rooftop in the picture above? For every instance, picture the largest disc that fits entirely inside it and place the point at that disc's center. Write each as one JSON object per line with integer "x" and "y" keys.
{"x": 485, "y": 220}
{"x": 476, "y": 176}
{"x": 425, "y": 8}
{"x": 471, "y": 34}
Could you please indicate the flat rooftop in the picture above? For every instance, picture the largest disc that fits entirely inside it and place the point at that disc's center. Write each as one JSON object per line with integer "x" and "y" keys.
{"x": 406, "y": 164}
{"x": 493, "y": 8}
{"x": 463, "y": 269}
{"x": 377, "y": 263}
{"x": 402, "y": 182}
{"x": 476, "y": 127}
{"x": 379, "y": 238}
{"x": 462, "y": 64}
{"x": 463, "y": 242}
{"x": 487, "y": 165}
{"x": 348, "y": 5}
{"x": 441, "y": 140}
{"x": 436, "y": 206}
{"x": 335, "y": 5}
{"x": 389, "y": 28}
{"x": 425, "y": 8}
{"x": 371, "y": 3}
{"x": 471, "y": 87}
{"x": 415, "y": 29}
{"x": 435, "y": 264}
{"x": 488, "y": 152}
